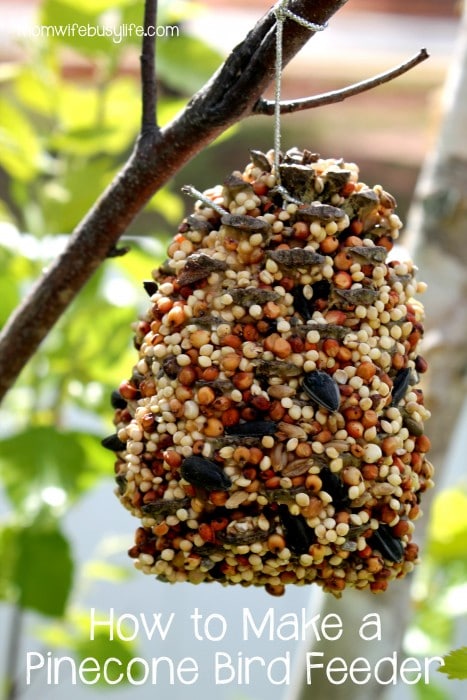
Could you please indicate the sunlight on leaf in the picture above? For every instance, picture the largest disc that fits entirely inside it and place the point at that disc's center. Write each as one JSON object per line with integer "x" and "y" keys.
{"x": 47, "y": 458}
{"x": 19, "y": 143}
{"x": 448, "y": 526}
{"x": 169, "y": 205}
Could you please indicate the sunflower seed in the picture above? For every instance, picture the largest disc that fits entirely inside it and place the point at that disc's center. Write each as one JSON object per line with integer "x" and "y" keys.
{"x": 333, "y": 485}
{"x": 113, "y": 443}
{"x": 390, "y": 547}
{"x": 323, "y": 389}
{"x": 257, "y": 428}
{"x": 200, "y": 471}
{"x": 121, "y": 483}
{"x": 150, "y": 287}
{"x": 402, "y": 381}
{"x": 117, "y": 400}
{"x": 298, "y": 535}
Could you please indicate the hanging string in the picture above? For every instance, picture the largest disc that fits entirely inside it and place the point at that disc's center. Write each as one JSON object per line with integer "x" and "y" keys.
{"x": 282, "y": 13}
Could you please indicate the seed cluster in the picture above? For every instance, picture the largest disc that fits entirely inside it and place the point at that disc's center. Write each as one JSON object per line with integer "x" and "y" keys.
{"x": 272, "y": 431}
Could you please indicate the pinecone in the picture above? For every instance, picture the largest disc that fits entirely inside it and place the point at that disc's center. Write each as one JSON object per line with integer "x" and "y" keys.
{"x": 272, "y": 431}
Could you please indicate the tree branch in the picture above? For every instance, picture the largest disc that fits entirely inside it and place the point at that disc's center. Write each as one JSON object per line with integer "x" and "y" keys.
{"x": 328, "y": 98}
{"x": 148, "y": 68}
{"x": 228, "y": 97}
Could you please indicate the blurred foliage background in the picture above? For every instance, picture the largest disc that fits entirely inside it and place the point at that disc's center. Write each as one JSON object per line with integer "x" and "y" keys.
{"x": 69, "y": 115}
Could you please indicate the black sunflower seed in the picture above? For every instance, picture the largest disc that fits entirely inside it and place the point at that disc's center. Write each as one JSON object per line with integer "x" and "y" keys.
{"x": 200, "y": 471}
{"x": 301, "y": 303}
{"x": 305, "y": 307}
{"x": 121, "y": 483}
{"x": 150, "y": 287}
{"x": 113, "y": 443}
{"x": 117, "y": 400}
{"x": 171, "y": 366}
{"x": 255, "y": 428}
{"x": 298, "y": 535}
{"x": 390, "y": 546}
{"x": 323, "y": 389}
{"x": 333, "y": 485}
{"x": 402, "y": 381}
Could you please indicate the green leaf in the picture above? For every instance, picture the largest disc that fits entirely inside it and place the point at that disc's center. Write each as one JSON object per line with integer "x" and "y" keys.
{"x": 37, "y": 568}
{"x": 37, "y": 89}
{"x": 9, "y": 287}
{"x": 66, "y": 200}
{"x": 185, "y": 63}
{"x": 448, "y": 526}
{"x": 93, "y": 122}
{"x": 19, "y": 144}
{"x": 455, "y": 664}
{"x": 54, "y": 467}
{"x": 167, "y": 204}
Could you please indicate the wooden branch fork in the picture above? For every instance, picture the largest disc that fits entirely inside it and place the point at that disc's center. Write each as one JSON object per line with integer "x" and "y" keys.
{"x": 233, "y": 93}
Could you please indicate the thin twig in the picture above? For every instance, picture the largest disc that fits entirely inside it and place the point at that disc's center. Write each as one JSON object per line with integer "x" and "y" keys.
{"x": 328, "y": 98}
{"x": 148, "y": 68}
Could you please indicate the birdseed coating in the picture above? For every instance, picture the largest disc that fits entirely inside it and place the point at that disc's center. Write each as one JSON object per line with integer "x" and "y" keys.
{"x": 272, "y": 431}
